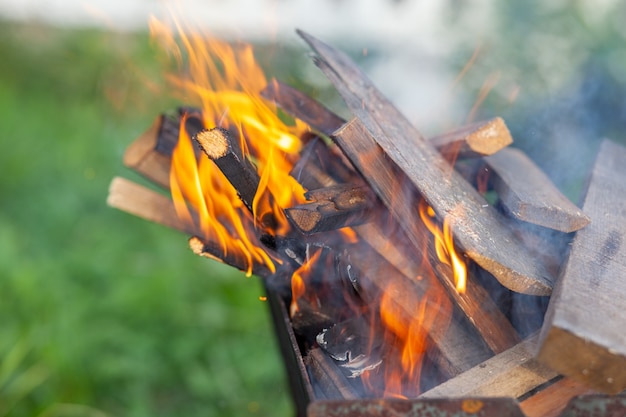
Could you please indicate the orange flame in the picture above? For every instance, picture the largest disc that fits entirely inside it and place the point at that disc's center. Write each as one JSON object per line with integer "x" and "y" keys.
{"x": 226, "y": 83}
{"x": 444, "y": 245}
{"x": 298, "y": 286}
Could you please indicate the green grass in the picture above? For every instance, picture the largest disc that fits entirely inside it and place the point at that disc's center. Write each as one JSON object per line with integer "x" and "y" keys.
{"x": 102, "y": 313}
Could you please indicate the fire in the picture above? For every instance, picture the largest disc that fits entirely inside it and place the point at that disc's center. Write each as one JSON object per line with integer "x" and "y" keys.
{"x": 225, "y": 83}
{"x": 444, "y": 245}
{"x": 298, "y": 285}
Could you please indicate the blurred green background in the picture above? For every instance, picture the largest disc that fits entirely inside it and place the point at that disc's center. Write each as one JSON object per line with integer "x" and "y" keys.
{"x": 104, "y": 314}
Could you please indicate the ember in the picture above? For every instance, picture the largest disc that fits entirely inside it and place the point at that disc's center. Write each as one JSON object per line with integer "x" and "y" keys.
{"x": 385, "y": 262}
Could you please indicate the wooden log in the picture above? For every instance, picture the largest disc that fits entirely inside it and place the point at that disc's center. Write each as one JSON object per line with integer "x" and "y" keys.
{"x": 474, "y": 140}
{"x": 552, "y": 400}
{"x": 142, "y": 157}
{"x": 333, "y": 208}
{"x": 583, "y": 334}
{"x": 477, "y": 226}
{"x": 150, "y": 205}
{"x": 529, "y": 195}
{"x": 511, "y": 373}
{"x": 221, "y": 149}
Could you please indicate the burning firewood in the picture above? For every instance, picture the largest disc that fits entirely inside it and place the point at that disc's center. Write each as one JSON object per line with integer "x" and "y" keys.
{"x": 363, "y": 276}
{"x": 529, "y": 195}
{"x": 583, "y": 334}
{"x": 475, "y": 302}
{"x": 380, "y": 126}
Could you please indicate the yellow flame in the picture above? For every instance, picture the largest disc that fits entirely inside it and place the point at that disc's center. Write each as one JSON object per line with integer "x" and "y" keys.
{"x": 225, "y": 83}
{"x": 444, "y": 245}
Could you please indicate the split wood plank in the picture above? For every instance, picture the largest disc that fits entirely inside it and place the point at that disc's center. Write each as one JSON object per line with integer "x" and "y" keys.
{"x": 142, "y": 202}
{"x": 474, "y": 140}
{"x": 528, "y": 194}
{"x": 477, "y": 226}
{"x": 583, "y": 335}
{"x": 512, "y": 373}
{"x": 482, "y": 313}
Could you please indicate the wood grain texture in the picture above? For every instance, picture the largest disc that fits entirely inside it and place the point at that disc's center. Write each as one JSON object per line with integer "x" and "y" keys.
{"x": 477, "y": 226}
{"x": 584, "y": 334}
{"x": 512, "y": 373}
{"x": 528, "y": 194}
{"x": 552, "y": 400}
{"x": 142, "y": 202}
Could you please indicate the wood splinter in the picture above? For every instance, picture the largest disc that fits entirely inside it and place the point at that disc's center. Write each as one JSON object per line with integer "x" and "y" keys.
{"x": 217, "y": 144}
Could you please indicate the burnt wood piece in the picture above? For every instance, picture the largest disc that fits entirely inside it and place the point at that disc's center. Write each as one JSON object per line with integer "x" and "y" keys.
{"x": 552, "y": 400}
{"x": 142, "y": 157}
{"x": 350, "y": 343}
{"x": 332, "y": 208}
{"x": 528, "y": 194}
{"x": 142, "y": 202}
{"x": 309, "y": 319}
{"x": 583, "y": 335}
{"x": 328, "y": 378}
{"x": 474, "y": 140}
{"x": 217, "y": 144}
{"x": 511, "y": 373}
{"x": 477, "y": 226}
